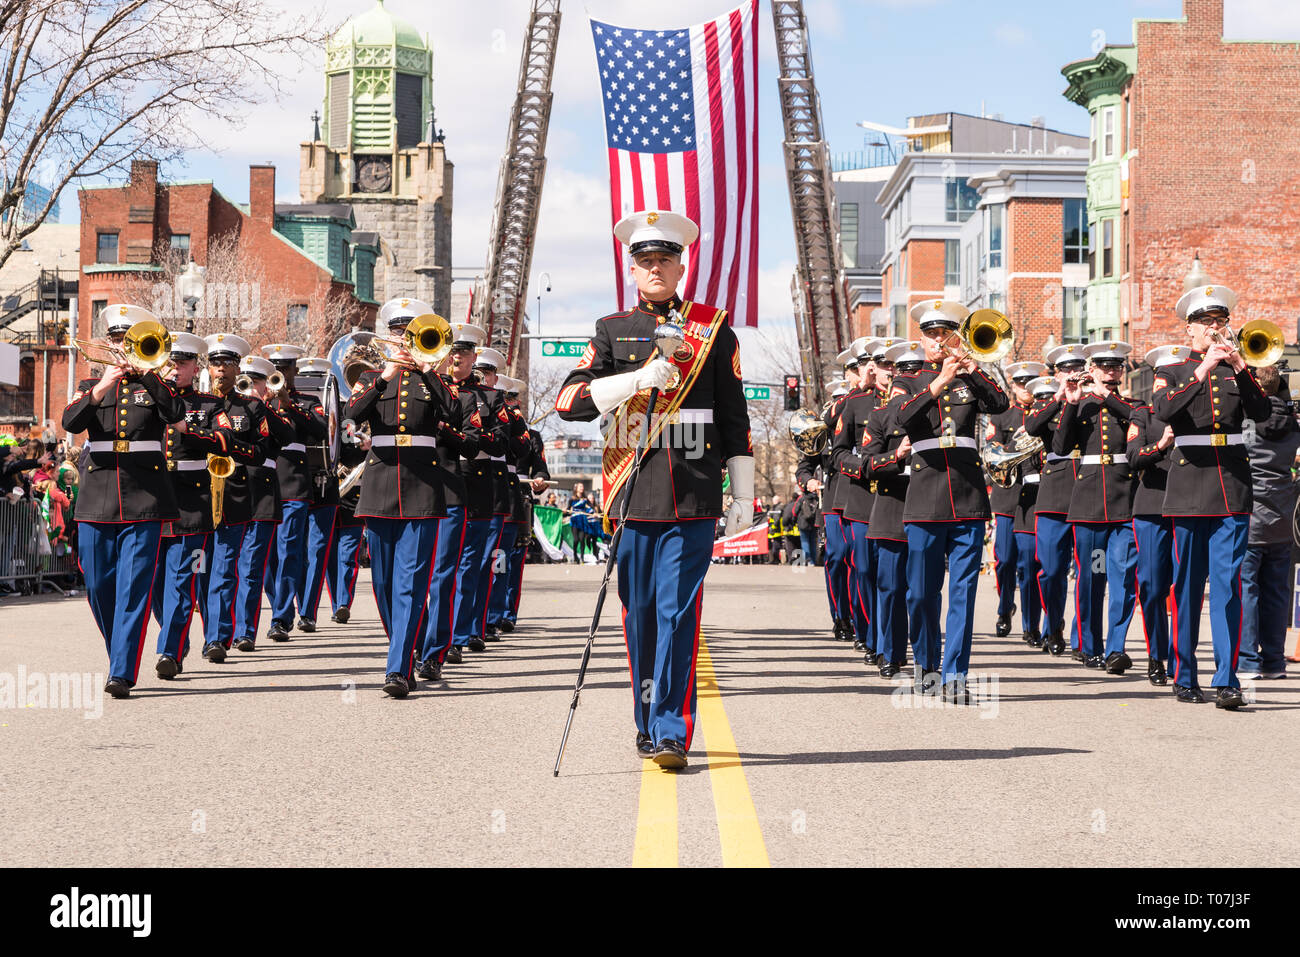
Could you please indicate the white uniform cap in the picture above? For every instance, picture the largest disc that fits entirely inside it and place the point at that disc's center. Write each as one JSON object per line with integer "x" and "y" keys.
{"x": 654, "y": 229}
{"x": 848, "y": 358}
{"x": 884, "y": 345}
{"x": 188, "y": 344}
{"x": 256, "y": 365}
{"x": 1108, "y": 350}
{"x": 1070, "y": 352}
{"x": 283, "y": 352}
{"x": 120, "y": 317}
{"x": 906, "y": 351}
{"x": 403, "y": 311}
{"x": 1167, "y": 355}
{"x": 1204, "y": 298}
{"x": 1041, "y": 387}
{"x": 939, "y": 312}
{"x": 1024, "y": 370}
{"x": 509, "y": 385}
{"x": 838, "y": 387}
{"x": 465, "y": 334}
{"x": 489, "y": 358}
{"x": 223, "y": 344}
{"x": 314, "y": 366}
{"x": 863, "y": 347}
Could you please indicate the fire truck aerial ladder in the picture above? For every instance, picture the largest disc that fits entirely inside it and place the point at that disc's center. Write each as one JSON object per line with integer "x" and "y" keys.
{"x": 821, "y": 312}
{"x": 501, "y": 293}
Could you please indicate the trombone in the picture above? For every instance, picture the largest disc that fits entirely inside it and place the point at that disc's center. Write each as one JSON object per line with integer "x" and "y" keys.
{"x": 985, "y": 336}
{"x": 1259, "y": 342}
{"x": 426, "y": 340}
{"x": 146, "y": 347}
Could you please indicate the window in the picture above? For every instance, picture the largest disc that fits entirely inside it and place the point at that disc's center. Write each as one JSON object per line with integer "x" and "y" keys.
{"x": 1092, "y": 254}
{"x": 952, "y": 262}
{"x": 106, "y": 248}
{"x": 1075, "y": 229}
{"x": 1108, "y": 133}
{"x": 408, "y": 166}
{"x": 96, "y": 324}
{"x": 1074, "y": 313}
{"x": 296, "y": 315}
{"x": 1092, "y": 138}
{"x": 900, "y": 320}
{"x": 849, "y": 233}
{"x": 960, "y": 201}
{"x": 902, "y": 268}
{"x": 180, "y": 245}
{"x": 1107, "y": 247}
{"x": 997, "y": 217}
{"x": 346, "y": 270}
{"x": 998, "y": 301}
{"x": 338, "y": 165}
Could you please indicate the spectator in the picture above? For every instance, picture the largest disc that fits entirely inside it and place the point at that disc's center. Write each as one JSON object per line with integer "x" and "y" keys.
{"x": 775, "y": 531}
{"x": 806, "y": 514}
{"x": 1266, "y": 571}
{"x": 580, "y": 505}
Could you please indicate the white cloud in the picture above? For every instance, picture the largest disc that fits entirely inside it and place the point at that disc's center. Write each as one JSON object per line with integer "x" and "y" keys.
{"x": 1011, "y": 35}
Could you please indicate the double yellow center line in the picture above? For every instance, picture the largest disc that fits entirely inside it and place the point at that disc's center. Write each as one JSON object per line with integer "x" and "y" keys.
{"x": 738, "y": 829}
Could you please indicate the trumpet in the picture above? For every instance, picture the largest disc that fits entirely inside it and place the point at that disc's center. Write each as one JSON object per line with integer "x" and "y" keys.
{"x": 147, "y": 346}
{"x": 1259, "y": 342}
{"x": 275, "y": 383}
{"x": 244, "y": 384}
{"x": 985, "y": 336}
{"x": 427, "y": 340}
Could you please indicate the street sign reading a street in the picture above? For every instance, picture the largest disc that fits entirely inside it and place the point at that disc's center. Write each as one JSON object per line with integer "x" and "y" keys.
{"x": 559, "y": 347}
{"x": 755, "y": 392}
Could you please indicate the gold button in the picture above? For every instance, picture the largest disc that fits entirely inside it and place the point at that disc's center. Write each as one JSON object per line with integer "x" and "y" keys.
{"x": 401, "y": 415}
{"x": 708, "y": 445}
{"x": 404, "y": 392}
{"x": 1215, "y": 389}
{"x": 121, "y": 435}
{"x": 1217, "y": 425}
{"x": 403, "y": 405}
{"x": 401, "y": 428}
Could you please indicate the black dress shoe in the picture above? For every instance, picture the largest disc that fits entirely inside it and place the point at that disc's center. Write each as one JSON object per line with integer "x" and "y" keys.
{"x": 1033, "y": 639}
{"x": 1094, "y": 661}
{"x": 1076, "y": 654}
{"x": 1229, "y": 699}
{"x": 1055, "y": 644}
{"x": 859, "y": 646}
{"x": 1117, "y": 662}
{"x": 492, "y": 633}
{"x": 843, "y": 630}
{"x": 645, "y": 747}
{"x": 507, "y": 625}
{"x": 1003, "y": 627}
{"x": 118, "y": 688}
{"x": 430, "y": 670}
{"x": 670, "y": 755}
{"x": 277, "y": 632}
{"x": 1156, "y": 673}
{"x": 395, "y": 686}
{"x": 955, "y": 692}
{"x": 166, "y": 667}
{"x": 342, "y": 616}
{"x": 246, "y": 644}
{"x": 454, "y": 656}
{"x": 1190, "y": 695}
{"x": 307, "y": 624}
{"x": 215, "y": 653}
{"x": 889, "y": 669}
{"x": 477, "y": 644}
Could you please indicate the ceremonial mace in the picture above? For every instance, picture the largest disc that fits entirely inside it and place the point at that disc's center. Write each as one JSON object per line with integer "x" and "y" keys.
{"x": 668, "y": 337}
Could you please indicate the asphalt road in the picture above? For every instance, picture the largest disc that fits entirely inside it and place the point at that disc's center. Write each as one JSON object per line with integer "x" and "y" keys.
{"x": 292, "y": 755}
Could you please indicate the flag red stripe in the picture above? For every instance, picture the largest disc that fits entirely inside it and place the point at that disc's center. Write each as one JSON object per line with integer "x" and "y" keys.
{"x": 662, "y": 186}
{"x": 615, "y": 195}
{"x": 737, "y": 240}
{"x": 750, "y": 317}
{"x": 691, "y": 160}
{"x": 638, "y": 190}
{"x": 719, "y": 157}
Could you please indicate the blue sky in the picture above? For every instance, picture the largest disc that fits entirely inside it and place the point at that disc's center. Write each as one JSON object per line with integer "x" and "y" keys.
{"x": 874, "y": 59}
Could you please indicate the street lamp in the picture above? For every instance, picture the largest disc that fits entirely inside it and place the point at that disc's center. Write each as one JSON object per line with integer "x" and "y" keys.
{"x": 544, "y": 278}
{"x": 189, "y": 287}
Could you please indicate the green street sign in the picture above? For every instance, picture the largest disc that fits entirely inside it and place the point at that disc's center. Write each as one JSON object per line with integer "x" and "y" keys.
{"x": 558, "y": 347}
{"x": 755, "y": 392}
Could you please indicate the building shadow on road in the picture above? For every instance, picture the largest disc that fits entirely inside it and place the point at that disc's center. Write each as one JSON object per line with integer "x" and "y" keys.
{"x": 729, "y": 759}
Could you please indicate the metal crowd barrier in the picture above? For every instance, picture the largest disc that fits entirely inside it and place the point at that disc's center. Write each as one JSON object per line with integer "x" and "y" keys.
{"x": 29, "y": 562}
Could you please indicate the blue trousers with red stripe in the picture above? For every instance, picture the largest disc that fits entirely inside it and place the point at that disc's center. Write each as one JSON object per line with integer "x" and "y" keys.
{"x": 491, "y": 558}
{"x": 219, "y": 583}
{"x": 176, "y": 589}
{"x": 320, "y": 535}
{"x": 401, "y": 564}
{"x": 287, "y": 562}
{"x": 1053, "y": 545}
{"x": 862, "y": 583}
{"x": 891, "y": 599}
{"x": 498, "y": 596}
{"x": 837, "y": 566}
{"x": 1153, "y": 540}
{"x": 1212, "y": 548}
{"x": 344, "y": 564}
{"x": 1031, "y": 603}
{"x": 1006, "y": 566}
{"x": 118, "y": 561}
{"x": 515, "y": 583}
{"x": 661, "y": 568}
{"x": 253, "y": 557}
{"x": 478, "y": 533}
{"x": 442, "y": 586}
{"x": 1102, "y": 546}
{"x": 928, "y": 545}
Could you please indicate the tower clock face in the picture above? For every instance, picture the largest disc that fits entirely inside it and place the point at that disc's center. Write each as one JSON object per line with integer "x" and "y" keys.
{"x": 374, "y": 174}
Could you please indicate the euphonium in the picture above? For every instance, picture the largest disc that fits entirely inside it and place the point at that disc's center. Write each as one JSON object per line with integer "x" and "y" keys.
{"x": 1001, "y": 460}
{"x": 808, "y": 432}
{"x": 220, "y": 468}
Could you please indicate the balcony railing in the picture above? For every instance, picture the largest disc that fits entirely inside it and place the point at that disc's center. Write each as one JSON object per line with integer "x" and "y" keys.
{"x": 17, "y": 404}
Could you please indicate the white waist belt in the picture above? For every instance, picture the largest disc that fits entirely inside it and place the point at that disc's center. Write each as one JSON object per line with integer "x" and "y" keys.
{"x": 494, "y": 458}
{"x": 1053, "y": 457}
{"x": 269, "y": 464}
{"x": 1225, "y": 438}
{"x": 123, "y": 445}
{"x": 1111, "y": 459}
{"x": 907, "y": 470}
{"x": 404, "y": 441}
{"x": 691, "y": 416}
{"x": 945, "y": 442}
{"x": 512, "y": 470}
{"x": 1030, "y": 479}
{"x": 294, "y": 447}
{"x": 189, "y": 465}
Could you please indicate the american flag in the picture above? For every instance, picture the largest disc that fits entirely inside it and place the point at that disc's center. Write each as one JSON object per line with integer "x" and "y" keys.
{"x": 681, "y": 125}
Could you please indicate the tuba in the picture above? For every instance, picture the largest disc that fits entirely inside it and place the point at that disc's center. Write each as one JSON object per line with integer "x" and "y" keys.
{"x": 1001, "y": 461}
{"x": 808, "y": 432}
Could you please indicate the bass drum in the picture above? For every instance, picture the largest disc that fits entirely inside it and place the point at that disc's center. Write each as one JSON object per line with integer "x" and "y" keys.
{"x": 333, "y": 437}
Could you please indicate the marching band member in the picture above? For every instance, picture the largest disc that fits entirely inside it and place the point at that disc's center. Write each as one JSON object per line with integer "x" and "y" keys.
{"x": 1095, "y": 420}
{"x": 1041, "y": 389}
{"x": 187, "y": 540}
{"x": 885, "y": 462}
{"x": 947, "y": 503}
{"x": 1205, "y": 399}
{"x": 323, "y": 506}
{"x": 1008, "y": 568}
{"x": 287, "y": 554}
{"x": 124, "y": 498}
{"x": 667, "y": 542}
{"x": 1052, "y": 540}
{"x": 349, "y": 535}
{"x": 402, "y": 495}
{"x": 539, "y": 474}
{"x": 1149, "y": 443}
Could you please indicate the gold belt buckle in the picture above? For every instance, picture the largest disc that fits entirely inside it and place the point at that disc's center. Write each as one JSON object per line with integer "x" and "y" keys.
{"x": 403, "y": 441}
{"x": 874, "y": 487}
{"x": 121, "y": 445}
{"x": 1218, "y": 439}
{"x": 171, "y": 465}
{"x": 1074, "y": 454}
{"x": 947, "y": 442}
{"x": 1105, "y": 459}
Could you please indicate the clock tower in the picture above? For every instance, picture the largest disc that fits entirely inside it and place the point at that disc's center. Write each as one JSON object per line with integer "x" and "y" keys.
{"x": 376, "y": 150}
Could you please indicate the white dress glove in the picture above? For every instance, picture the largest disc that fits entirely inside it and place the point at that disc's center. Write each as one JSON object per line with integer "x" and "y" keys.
{"x": 611, "y": 391}
{"x": 741, "y": 514}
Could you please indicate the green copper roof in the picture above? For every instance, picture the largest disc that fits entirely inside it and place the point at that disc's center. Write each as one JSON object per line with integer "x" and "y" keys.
{"x": 378, "y": 27}
{"x": 1105, "y": 73}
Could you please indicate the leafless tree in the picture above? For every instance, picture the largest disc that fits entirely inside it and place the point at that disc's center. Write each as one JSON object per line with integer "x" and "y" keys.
{"x": 544, "y": 381}
{"x": 89, "y": 84}
{"x": 767, "y": 356}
